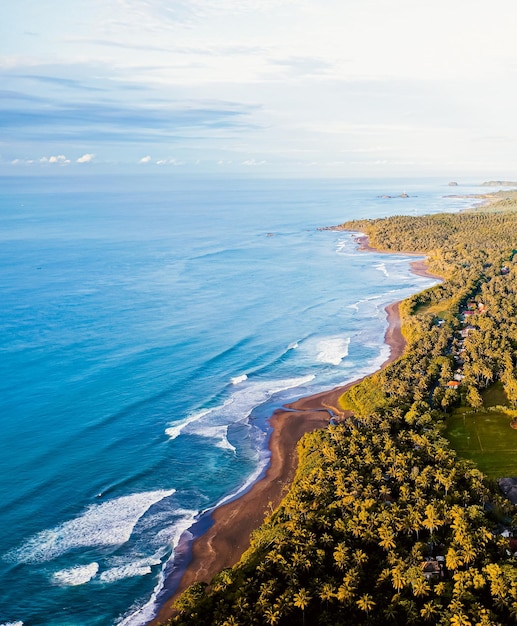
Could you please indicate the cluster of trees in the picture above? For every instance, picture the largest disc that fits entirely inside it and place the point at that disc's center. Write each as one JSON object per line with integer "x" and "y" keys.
{"x": 384, "y": 523}
{"x": 475, "y": 253}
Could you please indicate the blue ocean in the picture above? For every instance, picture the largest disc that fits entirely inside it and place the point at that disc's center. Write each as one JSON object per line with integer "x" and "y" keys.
{"x": 149, "y": 328}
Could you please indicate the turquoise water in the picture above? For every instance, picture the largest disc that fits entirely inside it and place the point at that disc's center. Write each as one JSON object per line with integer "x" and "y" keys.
{"x": 149, "y": 328}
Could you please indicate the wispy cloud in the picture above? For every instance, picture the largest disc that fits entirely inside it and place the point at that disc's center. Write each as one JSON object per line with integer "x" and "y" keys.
{"x": 257, "y": 83}
{"x": 253, "y": 162}
{"x": 105, "y": 121}
{"x": 60, "y": 81}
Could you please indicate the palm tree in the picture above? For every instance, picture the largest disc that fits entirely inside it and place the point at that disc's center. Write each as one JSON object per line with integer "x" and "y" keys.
{"x": 460, "y": 619}
{"x": 346, "y": 590}
{"x": 327, "y": 593}
{"x": 431, "y": 520}
{"x": 341, "y": 556}
{"x": 272, "y": 616}
{"x": 429, "y": 611}
{"x": 360, "y": 557}
{"x": 387, "y": 538}
{"x": 420, "y": 586}
{"x": 301, "y": 600}
{"x": 445, "y": 479}
{"x": 452, "y": 559}
{"x": 398, "y": 577}
{"x": 366, "y": 603}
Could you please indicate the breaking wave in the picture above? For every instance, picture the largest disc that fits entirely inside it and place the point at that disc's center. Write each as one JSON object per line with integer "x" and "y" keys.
{"x": 108, "y": 524}
{"x": 333, "y": 350}
{"x": 73, "y": 576}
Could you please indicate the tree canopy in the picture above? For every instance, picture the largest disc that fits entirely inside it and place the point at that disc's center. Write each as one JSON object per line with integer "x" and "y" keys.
{"x": 384, "y": 523}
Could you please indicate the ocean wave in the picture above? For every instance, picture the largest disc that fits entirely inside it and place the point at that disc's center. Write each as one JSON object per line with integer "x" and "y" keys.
{"x": 363, "y": 301}
{"x": 293, "y": 346}
{"x": 177, "y": 428}
{"x": 73, "y": 576}
{"x": 237, "y": 408}
{"x": 372, "y": 365}
{"x": 138, "y": 616}
{"x": 140, "y": 567}
{"x": 216, "y": 432}
{"x": 333, "y": 350}
{"x": 347, "y": 246}
{"x": 108, "y": 524}
{"x": 239, "y": 379}
{"x": 382, "y": 268}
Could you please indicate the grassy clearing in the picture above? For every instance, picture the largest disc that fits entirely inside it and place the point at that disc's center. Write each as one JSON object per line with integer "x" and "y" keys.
{"x": 486, "y": 438}
{"x": 440, "y": 309}
{"x": 494, "y": 395}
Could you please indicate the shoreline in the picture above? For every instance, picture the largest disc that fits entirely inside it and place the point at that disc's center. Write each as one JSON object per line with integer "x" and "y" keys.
{"x": 226, "y": 530}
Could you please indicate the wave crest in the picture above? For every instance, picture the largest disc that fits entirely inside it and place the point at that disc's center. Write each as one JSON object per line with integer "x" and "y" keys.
{"x": 108, "y": 524}
{"x": 333, "y": 350}
{"x": 73, "y": 576}
{"x": 140, "y": 567}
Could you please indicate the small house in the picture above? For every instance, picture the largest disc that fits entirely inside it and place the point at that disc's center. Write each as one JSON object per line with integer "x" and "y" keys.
{"x": 431, "y": 569}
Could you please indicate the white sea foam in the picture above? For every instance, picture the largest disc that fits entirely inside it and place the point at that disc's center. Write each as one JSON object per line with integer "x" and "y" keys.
{"x": 333, "y": 350}
{"x": 237, "y": 408}
{"x": 172, "y": 535}
{"x": 108, "y": 524}
{"x": 348, "y": 245}
{"x": 140, "y": 567}
{"x": 363, "y": 302}
{"x": 371, "y": 366}
{"x": 176, "y": 428}
{"x": 217, "y": 432}
{"x": 239, "y": 379}
{"x": 73, "y": 576}
{"x": 12, "y": 624}
{"x": 293, "y": 346}
{"x": 382, "y": 268}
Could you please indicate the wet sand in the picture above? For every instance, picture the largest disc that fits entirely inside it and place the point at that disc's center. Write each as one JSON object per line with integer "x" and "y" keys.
{"x": 230, "y": 525}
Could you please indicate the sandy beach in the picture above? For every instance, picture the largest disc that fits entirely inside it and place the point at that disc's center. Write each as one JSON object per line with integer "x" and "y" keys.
{"x": 228, "y": 536}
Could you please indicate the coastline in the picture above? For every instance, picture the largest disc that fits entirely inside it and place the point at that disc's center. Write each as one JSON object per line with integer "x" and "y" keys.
{"x": 226, "y": 535}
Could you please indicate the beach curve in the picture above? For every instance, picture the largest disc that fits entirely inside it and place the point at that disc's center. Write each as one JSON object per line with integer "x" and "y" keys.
{"x": 227, "y": 535}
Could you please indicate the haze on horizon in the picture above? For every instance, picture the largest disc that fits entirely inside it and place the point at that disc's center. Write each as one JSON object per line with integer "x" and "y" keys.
{"x": 260, "y": 87}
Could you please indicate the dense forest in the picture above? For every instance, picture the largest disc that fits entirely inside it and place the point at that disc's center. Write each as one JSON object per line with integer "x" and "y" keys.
{"x": 385, "y": 523}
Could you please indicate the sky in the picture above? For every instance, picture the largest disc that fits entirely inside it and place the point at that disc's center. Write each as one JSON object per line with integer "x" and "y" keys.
{"x": 338, "y": 88}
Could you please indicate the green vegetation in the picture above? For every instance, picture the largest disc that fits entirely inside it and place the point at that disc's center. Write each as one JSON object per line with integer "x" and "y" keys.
{"x": 386, "y": 522}
{"x": 486, "y": 438}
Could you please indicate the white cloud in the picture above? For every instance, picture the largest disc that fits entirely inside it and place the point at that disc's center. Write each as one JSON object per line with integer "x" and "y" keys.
{"x": 60, "y": 159}
{"x": 173, "y": 162}
{"x": 86, "y": 158}
{"x": 22, "y": 161}
{"x": 403, "y": 80}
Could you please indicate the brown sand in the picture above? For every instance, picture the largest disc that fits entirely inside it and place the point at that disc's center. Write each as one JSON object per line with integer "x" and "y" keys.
{"x": 229, "y": 536}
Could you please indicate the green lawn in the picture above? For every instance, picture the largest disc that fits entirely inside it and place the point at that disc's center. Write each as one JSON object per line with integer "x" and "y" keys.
{"x": 494, "y": 395}
{"x": 487, "y": 439}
